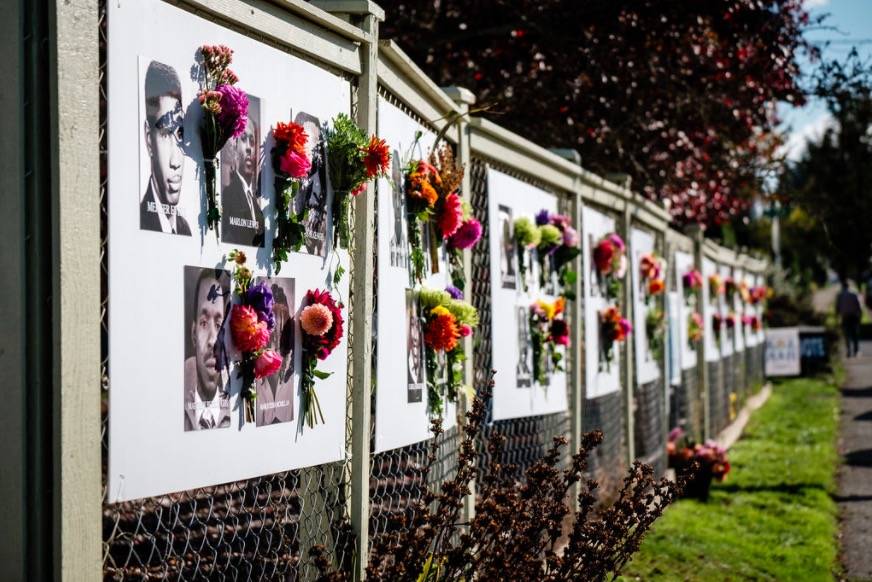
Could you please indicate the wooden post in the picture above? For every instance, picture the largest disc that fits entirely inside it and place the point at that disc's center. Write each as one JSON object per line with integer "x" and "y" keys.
{"x": 75, "y": 266}
{"x": 362, "y": 291}
{"x": 629, "y": 345}
{"x": 701, "y": 354}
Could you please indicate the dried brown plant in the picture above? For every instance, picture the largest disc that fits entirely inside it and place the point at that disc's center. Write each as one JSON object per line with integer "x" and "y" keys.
{"x": 519, "y": 530}
{"x": 450, "y": 171}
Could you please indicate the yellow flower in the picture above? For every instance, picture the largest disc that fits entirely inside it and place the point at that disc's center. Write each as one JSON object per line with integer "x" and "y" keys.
{"x": 550, "y": 309}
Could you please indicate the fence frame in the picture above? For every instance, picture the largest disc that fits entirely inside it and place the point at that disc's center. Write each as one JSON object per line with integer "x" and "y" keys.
{"x": 342, "y": 35}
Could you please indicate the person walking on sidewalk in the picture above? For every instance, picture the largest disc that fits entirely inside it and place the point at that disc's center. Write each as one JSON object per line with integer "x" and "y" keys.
{"x": 849, "y": 311}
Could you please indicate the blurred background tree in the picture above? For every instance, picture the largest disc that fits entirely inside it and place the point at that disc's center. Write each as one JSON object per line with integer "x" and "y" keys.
{"x": 681, "y": 96}
{"x": 830, "y": 187}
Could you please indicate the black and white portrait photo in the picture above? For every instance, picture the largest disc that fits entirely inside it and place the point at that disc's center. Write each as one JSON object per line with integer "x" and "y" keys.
{"x": 275, "y": 393}
{"x": 207, "y": 293}
{"x": 507, "y": 249}
{"x": 241, "y": 214}
{"x": 415, "y": 349}
{"x": 163, "y": 146}
{"x": 399, "y": 240}
{"x": 313, "y": 191}
{"x": 524, "y": 368}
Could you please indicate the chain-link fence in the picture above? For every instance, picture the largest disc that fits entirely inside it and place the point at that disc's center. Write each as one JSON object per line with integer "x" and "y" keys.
{"x": 682, "y": 411}
{"x": 256, "y": 529}
{"x": 649, "y": 429}
{"x": 262, "y": 528}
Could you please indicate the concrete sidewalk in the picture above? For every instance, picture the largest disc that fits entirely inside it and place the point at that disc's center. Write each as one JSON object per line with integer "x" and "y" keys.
{"x": 855, "y": 475}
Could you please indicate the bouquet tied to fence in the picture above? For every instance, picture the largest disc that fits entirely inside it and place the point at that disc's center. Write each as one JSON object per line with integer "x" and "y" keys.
{"x": 526, "y": 236}
{"x": 447, "y": 319}
{"x": 548, "y": 330}
{"x": 691, "y": 282}
{"x": 323, "y": 326}
{"x": 352, "y": 161}
{"x": 610, "y": 261}
{"x": 716, "y": 286}
{"x": 557, "y": 247}
{"x": 291, "y": 164}
{"x": 694, "y": 328}
{"x": 432, "y": 200}
{"x": 614, "y": 328}
{"x": 758, "y": 294}
{"x": 651, "y": 274}
{"x": 225, "y": 115}
{"x": 251, "y": 322}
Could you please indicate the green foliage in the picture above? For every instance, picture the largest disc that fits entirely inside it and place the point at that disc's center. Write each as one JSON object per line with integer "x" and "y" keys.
{"x": 526, "y": 232}
{"x": 774, "y": 518}
{"x": 832, "y": 180}
{"x": 344, "y": 141}
{"x": 549, "y": 236}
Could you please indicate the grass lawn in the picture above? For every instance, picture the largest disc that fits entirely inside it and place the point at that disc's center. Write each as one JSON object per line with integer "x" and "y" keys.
{"x": 773, "y": 518}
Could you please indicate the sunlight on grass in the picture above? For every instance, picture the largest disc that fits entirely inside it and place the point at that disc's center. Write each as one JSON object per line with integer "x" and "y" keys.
{"x": 774, "y": 517}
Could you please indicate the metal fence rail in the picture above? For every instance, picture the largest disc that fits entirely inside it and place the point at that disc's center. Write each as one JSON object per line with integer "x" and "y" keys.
{"x": 263, "y": 528}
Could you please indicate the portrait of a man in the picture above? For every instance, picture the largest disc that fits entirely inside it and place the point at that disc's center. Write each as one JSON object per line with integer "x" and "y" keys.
{"x": 524, "y": 368}
{"x": 241, "y": 214}
{"x": 313, "y": 190}
{"x": 507, "y": 249}
{"x": 414, "y": 349}
{"x": 399, "y": 242}
{"x": 275, "y": 393}
{"x": 207, "y": 293}
{"x": 163, "y": 135}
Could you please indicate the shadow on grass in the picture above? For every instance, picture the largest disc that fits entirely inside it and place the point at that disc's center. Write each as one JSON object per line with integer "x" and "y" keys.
{"x": 786, "y": 488}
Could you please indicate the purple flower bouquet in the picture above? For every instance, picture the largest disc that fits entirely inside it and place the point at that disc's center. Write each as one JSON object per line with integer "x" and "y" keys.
{"x": 225, "y": 115}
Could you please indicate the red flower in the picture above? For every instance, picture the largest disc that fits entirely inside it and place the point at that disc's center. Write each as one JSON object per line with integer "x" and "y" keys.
{"x": 451, "y": 216}
{"x": 323, "y": 345}
{"x": 467, "y": 235}
{"x": 292, "y": 136}
{"x": 441, "y": 332}
{"x": 295, "y": 164}
{"x": 559, "y": 332}
{"x": 267, "y": 364}
{"x": 656, "y": 286}
{"x": 604, "y": 255}
{"x": 248, "y": 333}
{"x": 376, "y": 157}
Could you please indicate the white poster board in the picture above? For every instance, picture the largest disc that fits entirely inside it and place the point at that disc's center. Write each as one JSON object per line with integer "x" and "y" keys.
{"x": 727, "y": 340}
{"x": 710, "y": 306}
{"x": 751, "y": 339}
{"x": 673, "y": 337}
{"x": 739, "y": 311}
{"x": 158, "y": 355}
{"x": 401, "y": 399}
{"x": 516, "y": 393}
{"x": 600, "y": 378}
{"x": 686, "y": 307}
{"x": 760, "y": 281}
{"x": 647, "y": 368}
{"x": 782, "y": 351}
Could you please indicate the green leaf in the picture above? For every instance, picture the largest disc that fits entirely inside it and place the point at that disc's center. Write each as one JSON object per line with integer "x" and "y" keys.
{"x": 321, "y": 375}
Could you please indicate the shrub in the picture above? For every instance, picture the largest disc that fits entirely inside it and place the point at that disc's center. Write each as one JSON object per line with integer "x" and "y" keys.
{"x": 521, "y": 530}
